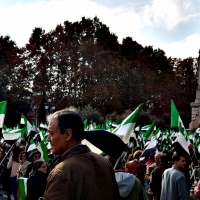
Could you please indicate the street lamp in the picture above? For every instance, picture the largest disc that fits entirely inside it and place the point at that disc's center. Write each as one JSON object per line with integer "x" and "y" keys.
{"x": 49, "y": 106}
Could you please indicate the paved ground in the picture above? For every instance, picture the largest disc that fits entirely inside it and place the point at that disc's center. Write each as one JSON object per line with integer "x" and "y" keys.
{"x": 4, "y": 197}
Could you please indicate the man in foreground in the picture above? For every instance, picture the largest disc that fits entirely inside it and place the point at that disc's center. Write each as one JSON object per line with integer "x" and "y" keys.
{"x": 174, "y": 181}
{"x": 78, "y": 173}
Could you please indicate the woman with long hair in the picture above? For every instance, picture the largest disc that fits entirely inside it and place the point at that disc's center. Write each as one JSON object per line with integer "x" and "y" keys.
{"x": 23, "y": 164}
{"x": 14, "y": 164}
{"x": 36, "y": 182}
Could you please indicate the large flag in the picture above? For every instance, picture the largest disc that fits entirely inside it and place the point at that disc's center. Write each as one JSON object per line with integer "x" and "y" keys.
{"x": 3, "y": 106}
{"x": 14, "y": 134}
{"x": 176, "y": 122}
{"x": 125, "y": 129}
{"x": 22, "y": 188}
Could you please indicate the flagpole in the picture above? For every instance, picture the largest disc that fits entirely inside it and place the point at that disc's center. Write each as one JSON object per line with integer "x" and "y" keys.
{"x": 8, "y": 152}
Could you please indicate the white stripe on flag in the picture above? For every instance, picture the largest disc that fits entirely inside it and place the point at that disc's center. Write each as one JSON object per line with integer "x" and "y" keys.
{"x": 2, "y": 117}
{"x": 11, "y": 136}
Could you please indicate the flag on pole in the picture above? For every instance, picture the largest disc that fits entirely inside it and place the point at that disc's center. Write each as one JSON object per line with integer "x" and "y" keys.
{"x": 43, "y": 150}
{"x": 3, "y": 106}
{"x": 180, "y": 140}
{"x": 124, "y": 130}
{"x": 150, "y": 147}
{"x": 27, "y": 125}
{"x": 32, "y": 146}
{"x": 12, "y": 134}
{"x": 176, "y": 122}
{"x": 22, "y": 188}
{"x": 150, "y": 130}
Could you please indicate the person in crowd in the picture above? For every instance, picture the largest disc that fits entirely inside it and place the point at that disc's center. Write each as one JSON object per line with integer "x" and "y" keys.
{"x": 174, "y": 181}
{"x": 78, "y": 172}
{"x": 186, "y": 169}
{"x": 148, "y": 173}
{"x": 197, "y": 188}
{"x": 151, "y": 158}
{"x": 14, "y": 164}
{"x": 136, "y": 167}
{"x": 23, "y": 164}
{"x": 130, "y": 187}
{"x": 36, "y": 155}
{"x": 36, "y": 182}
{"x": 6, "y": 181}
{"x": 195, "y": 172}
{"x": 156, "y": 176}
{"x": 2, "y": 169}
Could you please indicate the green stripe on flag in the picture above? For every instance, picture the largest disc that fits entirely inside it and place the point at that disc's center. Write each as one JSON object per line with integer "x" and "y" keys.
{"x": 43, "y": 149}
{"x": 150, "y": 130}
{"x": 22, "y": 188}
{"x": 124, "y": 130}
{"x": 3, "y": 106}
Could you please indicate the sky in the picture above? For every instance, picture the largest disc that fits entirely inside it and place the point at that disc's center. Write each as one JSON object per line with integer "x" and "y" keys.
{"x": 170, "y": 25}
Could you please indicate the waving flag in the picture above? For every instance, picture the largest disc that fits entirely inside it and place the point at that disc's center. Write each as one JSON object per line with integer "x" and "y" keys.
{"x": 43, "y": 149}
{"x": 124, "y": 130}
{"x": 12, "y": 134}
{"x": 27, "y": 125}
{"x": 176, "y": 121}
{"x": 3, "y": 106}
{"x": 181, "y": 140}
{"x": 22, "y": 188}
{"x": 149, "y": 132}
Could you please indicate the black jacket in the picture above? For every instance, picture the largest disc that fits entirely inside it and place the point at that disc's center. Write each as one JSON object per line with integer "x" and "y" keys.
{"x": 36, "y": 185}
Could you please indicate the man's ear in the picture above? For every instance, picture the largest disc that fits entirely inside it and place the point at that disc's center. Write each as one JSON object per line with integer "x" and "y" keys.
{"x": 68, "y": 134}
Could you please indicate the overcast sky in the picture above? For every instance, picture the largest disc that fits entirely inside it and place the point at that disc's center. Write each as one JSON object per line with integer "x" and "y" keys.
{"x": 171, "y": 25}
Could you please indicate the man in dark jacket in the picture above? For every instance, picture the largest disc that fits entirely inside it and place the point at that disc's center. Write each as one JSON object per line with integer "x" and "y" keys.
{"x": 156, "y": 175}
{"x": 78, "y": 173}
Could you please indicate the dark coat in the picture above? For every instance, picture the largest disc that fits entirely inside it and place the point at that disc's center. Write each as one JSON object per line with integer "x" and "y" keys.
{"x": 156, "y": 179}
{"x": 36, "y": 185}
{"x": 29, "y": 169}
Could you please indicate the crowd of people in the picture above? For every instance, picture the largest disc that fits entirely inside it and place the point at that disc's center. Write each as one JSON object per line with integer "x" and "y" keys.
{"x": 17, "y": 163}
{"x": 77, "y": 173}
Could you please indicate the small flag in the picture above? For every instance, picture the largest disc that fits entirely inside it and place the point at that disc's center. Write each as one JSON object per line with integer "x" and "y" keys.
{"x": 22, "y": 188}
{"x": 3, "y": 106}
{"x": 150, "y": 130}
{"x": 27, "y": 125}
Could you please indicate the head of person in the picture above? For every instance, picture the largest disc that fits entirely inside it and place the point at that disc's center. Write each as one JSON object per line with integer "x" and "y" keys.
{"x": 157, "y": 158}
{"x": 39, "y": 166}
{"x": 137, "y": 154}
{"x": 36, "y": 156}
{"x": 178, "y": 160}
{"x": 66, "y": 130}
{"x": 16, "y": 153}
{"x": 24, "y": 156}
{"x": 164, "y": 158}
